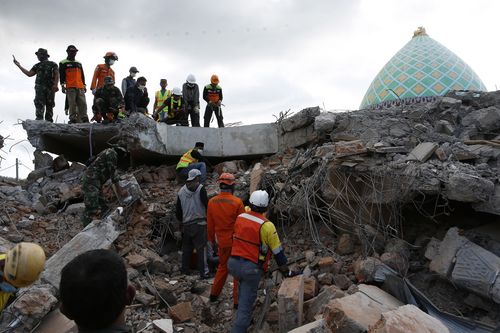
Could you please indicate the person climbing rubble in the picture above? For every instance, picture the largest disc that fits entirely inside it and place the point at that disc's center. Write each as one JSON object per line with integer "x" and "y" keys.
{"x": 94, "y": 291}
{"x": 103, "y": 70}
{"x": 100, "y": 170}
{"x": 19, "y": 268}
{"x": 193, "y": 159}
{"x": 173, "y": 110}
{"x": 47, "y": 77}
{"x": 223, "y": 209}
{"x": 109, "y": 105}
{"x": 212, "y": 94}
{"x": 255, "y": 239}
{"x": 191, "y": 211}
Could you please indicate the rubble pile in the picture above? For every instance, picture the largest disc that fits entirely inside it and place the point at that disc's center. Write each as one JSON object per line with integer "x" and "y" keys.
{"x": 368, "y": 194}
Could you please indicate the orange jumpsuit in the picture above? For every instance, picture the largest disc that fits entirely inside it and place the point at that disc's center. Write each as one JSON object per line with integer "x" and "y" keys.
{"x": 100, "y": 72}
{"x": 222, "y": 211}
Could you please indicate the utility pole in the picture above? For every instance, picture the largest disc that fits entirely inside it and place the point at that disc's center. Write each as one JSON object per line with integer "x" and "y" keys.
{"x": 17, "y": 169}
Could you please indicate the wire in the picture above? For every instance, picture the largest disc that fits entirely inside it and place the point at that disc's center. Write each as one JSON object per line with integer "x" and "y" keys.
{"x": 7, "y": 168}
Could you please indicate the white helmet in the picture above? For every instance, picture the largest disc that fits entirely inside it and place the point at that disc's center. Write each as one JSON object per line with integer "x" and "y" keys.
{"x": 191, "y": 79}
{"x": 259, "y": 199}
{"x": 177, "y": 91}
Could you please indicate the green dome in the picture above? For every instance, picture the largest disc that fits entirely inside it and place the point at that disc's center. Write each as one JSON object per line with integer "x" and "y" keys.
{"x": 423, "y": 67}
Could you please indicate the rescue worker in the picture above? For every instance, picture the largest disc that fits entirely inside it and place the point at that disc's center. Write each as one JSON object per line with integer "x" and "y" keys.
{"x": 109, "y": 104}
{"x": 191, "y": 96}
{"x": 103, "y": 70}
{"x": 255, "y": 239}
{"x": 102, "y": 168}
{"x": 47, "y": 77}
{"x": 172, "y": 111}
{"x": 94, "y": 291}
{"x": 73, "y": 85}
{"x": 191, "y": 211}
{"x": 19, "y": 268}
{"x": 193, "y": 159}
{"x": 212, "y": 94}
{"x": 160, "y": 97}
{"x": 136, "y": 98}
{"x": 223, "y": 209}
{"x": 129, "y": 81}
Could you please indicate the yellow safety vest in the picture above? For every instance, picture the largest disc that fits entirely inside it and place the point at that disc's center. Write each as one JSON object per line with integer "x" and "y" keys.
{"x": 162, "y": 98}
{"x": 186, "y": 159}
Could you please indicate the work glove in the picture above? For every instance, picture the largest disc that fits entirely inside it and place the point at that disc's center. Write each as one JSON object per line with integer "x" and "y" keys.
{"x": 93, "y": 91}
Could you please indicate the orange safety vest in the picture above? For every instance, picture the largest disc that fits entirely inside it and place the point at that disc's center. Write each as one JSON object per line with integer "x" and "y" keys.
{"x": 161, "y": 98}
{"x": 246, "y": 238}
{"x": 100, "y": 72}
{"x": 185, "y": 160}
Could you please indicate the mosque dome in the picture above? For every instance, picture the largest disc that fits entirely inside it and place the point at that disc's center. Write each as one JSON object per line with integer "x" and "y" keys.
{"x": 421, "y": 70}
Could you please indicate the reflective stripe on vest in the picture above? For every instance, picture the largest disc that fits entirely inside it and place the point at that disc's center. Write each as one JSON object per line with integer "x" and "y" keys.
{"x": 186, "y": 159}
{"x": 162, "y": 98}
{"x": 246, "y": 237}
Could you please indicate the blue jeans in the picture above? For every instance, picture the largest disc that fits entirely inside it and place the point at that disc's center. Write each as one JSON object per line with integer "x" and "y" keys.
{"x": 248, "y": 275}
{"x": 200, "y": 166}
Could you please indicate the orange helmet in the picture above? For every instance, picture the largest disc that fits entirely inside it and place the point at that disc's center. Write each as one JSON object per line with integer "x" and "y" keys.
{"x": 214, "y": 79}
{"x": 111, "y": 55}
{"x": 227, "y": 178}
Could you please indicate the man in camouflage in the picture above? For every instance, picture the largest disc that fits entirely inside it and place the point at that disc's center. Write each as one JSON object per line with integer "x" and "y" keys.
{"x": 108, "y": 102}
{"x": 98, "y": 172}
{"x": 47, "y": 77}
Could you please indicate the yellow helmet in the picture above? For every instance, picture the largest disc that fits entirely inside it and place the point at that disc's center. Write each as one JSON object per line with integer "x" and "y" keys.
{"x": 23, "y": 264}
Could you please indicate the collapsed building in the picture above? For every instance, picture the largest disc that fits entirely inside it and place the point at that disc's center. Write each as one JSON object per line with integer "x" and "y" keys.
{"x": 391, "y": 213}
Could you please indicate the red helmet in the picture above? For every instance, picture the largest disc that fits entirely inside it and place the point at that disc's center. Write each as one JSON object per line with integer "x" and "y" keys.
{"x": 227, "y": 178}
{"x": 111, "y": 55}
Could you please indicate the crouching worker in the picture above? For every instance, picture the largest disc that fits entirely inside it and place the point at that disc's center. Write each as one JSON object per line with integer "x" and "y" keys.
{"x": 94, "y": 291}
{"x": 254, "y": 240}
{"x": 99, "y": 171}
{"x": 173, "y": 110}
{"x": 193, "y": 159}
{"x": 109, "y": 105}
{"x": 20, "y": 267}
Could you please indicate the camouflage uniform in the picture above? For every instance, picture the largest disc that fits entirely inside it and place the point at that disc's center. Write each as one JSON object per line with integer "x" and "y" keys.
{"x": 44, "y": 95}
{"x": 108, "y": 100}
{"x": 97, "y": 173}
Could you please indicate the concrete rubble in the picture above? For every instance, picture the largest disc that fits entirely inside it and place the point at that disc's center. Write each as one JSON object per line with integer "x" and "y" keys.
{"x": 350, "y": 192}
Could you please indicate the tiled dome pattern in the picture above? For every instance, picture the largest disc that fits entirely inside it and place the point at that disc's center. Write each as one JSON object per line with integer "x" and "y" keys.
{"x": 423, "y": 67}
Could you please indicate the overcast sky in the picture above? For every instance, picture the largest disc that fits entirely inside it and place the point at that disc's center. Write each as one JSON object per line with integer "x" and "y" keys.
{"x": 270, "y": 55}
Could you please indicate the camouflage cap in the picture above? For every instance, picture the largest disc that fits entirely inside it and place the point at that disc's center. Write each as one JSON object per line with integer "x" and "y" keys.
{"x": 42, "y": 52}
{"x": 108, "y": 80}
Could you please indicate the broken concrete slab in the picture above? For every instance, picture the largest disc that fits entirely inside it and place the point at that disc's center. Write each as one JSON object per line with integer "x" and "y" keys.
{"x": 468, "y": 265}
{"x": 468, "y": 188}
{"x": 33, "y": 305}
{"x": 300, "y": 120}
{"x": 99, "y": 234}
{"x": 291, "y": 303}
{"x": 317, "y": 326}
{"x": 356, "y": 312}
{"x": 408, "y": 318}
{"x": 315, "y": 306}
{"x": 324, "y": 122}
{"x": 492, "y": 204}
{"x": 423, "y": 151}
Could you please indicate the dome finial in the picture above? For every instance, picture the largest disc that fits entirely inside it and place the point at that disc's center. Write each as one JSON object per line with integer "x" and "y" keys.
{"x": 420, "y": 32}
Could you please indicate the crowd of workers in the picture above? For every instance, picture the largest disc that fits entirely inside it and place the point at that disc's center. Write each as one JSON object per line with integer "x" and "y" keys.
{"x": 94, "y": 288}
{"x": 173, "y": 107}
{"x": 240, "y": 239}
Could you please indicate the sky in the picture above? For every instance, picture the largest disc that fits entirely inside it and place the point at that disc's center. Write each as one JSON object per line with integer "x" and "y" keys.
{"x": 270, "y": 55}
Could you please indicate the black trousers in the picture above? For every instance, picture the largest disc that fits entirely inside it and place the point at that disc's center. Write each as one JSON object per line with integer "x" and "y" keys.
{"x": 209, "y": 110}
{"x": 194, "y": 237}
